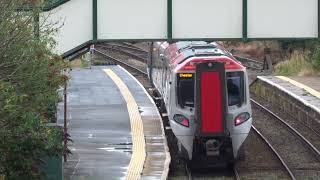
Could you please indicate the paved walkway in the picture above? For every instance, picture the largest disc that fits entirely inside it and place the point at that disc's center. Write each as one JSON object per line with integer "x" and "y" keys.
{"x": 305, "y": 84}
{"x": 312, "y": 82}
{"x": 115, "y": 126}
{"x": 99, "y": 125}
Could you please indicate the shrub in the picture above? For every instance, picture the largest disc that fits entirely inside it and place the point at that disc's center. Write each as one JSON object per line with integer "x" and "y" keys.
{"x": 297, "y": 63}
{"x": 30, "y": 75}
{"x": 316, "y": 58}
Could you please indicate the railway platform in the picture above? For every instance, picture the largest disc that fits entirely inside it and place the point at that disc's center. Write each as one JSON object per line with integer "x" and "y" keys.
{"x": 296, "y": 99}
{"x": 305, "y": 89}
{"x": 311, "y": 83}
{"x": 116, "y": 129}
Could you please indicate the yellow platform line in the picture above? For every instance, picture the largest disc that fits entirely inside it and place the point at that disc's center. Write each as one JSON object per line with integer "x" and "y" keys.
{"x": 307, "y": 88}
{"x": 138, "y": 141}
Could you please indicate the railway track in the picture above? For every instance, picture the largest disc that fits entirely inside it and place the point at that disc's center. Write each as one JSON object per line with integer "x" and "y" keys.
{"x": 250, "y": 63}
{"x": 142, "y": 55}
{"x": 135, "y": 53}
{"x": 299, "y": 157}
{"x": 231, "y": 173}
{"x": 236, "y": 174}
{"x": 275, "y": 152}
{"x": 309, "y": 133}
{"x": 121, "y": 62}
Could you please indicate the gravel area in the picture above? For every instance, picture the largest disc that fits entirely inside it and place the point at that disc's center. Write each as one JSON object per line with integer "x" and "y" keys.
{"x": 312, "y": 136}
{"x": 291, "y": 149}
{"x": 143, "y": 45}
{"x": 252, "y": 74}
{"x": 256, "y": 165}
{"x": 136, "y": 63}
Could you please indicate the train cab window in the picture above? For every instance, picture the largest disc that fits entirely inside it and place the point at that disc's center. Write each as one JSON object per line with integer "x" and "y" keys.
{"x": 235, "y": 88}
{"x": 185, "y": 90}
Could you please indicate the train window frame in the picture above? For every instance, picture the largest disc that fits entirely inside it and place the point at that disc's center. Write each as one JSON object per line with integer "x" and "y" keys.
{"x": 179, "y": 94}
{"x": 242, "y": 97}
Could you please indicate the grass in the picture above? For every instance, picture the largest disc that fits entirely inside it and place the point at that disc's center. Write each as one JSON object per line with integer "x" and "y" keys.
{"x": 297, "y": 65}
{"x": 80, "y": 62}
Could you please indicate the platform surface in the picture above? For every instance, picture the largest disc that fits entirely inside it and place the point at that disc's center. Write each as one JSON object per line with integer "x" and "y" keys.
{"x": 312, "y": 81}
{"x": 157, "y": 161}
{"x": 100, "y": 126}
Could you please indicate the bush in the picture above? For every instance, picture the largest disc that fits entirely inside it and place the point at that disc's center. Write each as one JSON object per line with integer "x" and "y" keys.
{"x": 30, "y": 75}
{"x": 297, "y": 63}
{"x": 316, "y": 58}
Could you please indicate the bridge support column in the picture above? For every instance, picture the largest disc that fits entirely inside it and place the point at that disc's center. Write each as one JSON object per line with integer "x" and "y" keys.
{"x": 94, "y": 20}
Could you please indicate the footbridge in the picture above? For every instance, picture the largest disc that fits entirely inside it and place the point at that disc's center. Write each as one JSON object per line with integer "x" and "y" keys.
{"x": 84, "y": 22}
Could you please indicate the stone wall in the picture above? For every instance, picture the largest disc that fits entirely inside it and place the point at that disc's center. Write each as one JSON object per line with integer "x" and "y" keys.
{"x": 294, "y": 108}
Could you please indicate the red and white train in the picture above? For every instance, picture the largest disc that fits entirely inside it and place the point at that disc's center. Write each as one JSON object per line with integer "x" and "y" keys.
{"x": 206, "y": 95}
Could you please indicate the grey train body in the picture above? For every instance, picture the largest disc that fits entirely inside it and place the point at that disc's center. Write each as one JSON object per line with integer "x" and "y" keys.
{"x": 163, "y": 74}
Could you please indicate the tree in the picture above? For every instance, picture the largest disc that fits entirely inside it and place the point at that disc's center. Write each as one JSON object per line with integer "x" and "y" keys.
{"x": 30, "y": 75}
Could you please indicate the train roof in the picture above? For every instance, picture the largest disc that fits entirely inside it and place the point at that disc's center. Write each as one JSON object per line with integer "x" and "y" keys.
{"x": 182, "y": 51}
{"x": 188, "y": 49}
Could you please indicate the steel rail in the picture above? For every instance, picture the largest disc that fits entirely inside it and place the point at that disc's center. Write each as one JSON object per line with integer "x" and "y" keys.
{"x": 275, "y": 152}
{"x": 134, "y": 47}
{"x": 188, "y": 172}
{"x": 121, "y": 50}
{"x": 127, "y": 47}
{"x": 310, "y": 145}
{"x": 122, "y": 63}
{"x": 236, "y": 174}
{"x": 248, "y": 59}
{"x": 247, "y": 62}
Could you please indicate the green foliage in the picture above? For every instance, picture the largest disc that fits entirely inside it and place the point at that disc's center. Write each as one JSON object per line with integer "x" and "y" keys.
{"x": 297, "y": 63}
{"x": 298, "y": 44}
{"x": 311, "y": 48}
{"x": 30, "y": 75}
{"x": 316, "y": 58}
{"x": 24, "y": 136}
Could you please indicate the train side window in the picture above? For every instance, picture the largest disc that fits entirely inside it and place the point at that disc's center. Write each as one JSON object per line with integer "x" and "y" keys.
{"x": 235, "y": 87}
{"x": 185, "y": 91}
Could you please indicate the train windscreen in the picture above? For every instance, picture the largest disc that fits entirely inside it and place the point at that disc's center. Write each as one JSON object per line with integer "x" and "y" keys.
{"x": 185, "y": 90}
{"x": 235, "y": 88}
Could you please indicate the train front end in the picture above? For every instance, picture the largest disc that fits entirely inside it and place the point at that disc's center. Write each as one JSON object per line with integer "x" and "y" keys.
{"x": 213, "y": 115}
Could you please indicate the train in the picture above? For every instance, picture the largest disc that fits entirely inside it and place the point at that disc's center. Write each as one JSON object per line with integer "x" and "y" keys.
{"x": 205, "y": 93}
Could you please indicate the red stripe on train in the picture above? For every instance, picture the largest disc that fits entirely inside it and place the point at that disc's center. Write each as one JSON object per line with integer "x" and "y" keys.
{"x": 211, "y": 103}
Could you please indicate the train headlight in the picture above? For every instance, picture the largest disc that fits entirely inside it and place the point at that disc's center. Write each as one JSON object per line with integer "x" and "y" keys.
{"x": 180, "y": 119}
{"x": 241, "y": 118}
